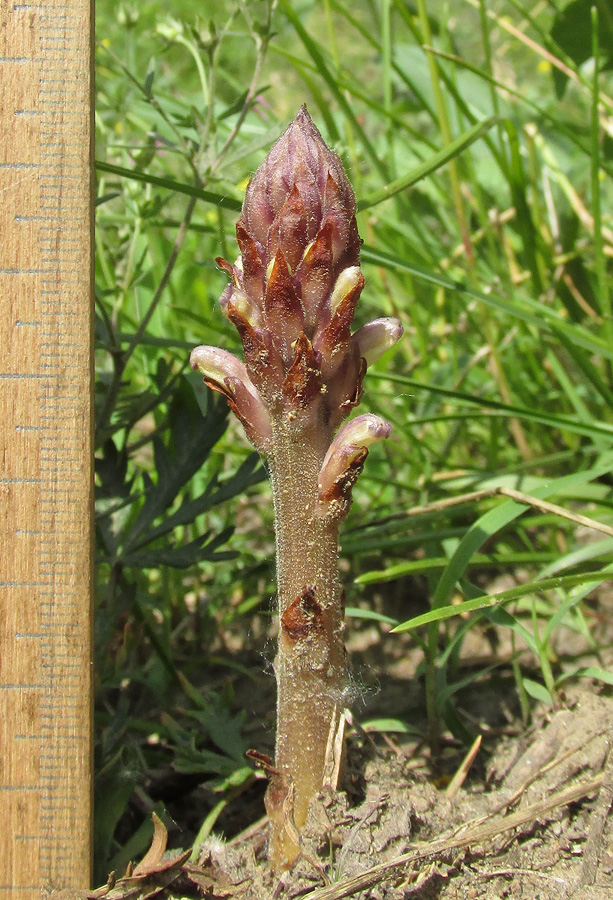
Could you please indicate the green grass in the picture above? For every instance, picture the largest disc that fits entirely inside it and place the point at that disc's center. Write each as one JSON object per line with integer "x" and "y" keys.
{"x": 483, "y": 173}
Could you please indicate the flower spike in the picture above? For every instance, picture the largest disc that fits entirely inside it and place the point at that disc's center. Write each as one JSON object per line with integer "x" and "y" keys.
{"x": 291, "y": 295}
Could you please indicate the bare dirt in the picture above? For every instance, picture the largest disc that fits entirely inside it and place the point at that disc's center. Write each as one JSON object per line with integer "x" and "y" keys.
{"x": 536, "y": 826}
{"x": 531, "y": 820}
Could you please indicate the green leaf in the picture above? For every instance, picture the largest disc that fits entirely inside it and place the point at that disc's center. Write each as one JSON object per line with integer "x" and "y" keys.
{"x": 390, "y": 726}
{"x": 434, "y": 563}
{"x": 572, "y": 29}
{"x": 113, "y": 790}
{"x": 182, "y": 556}
{"x": 440, "y": 613}
{"x": 589, "y": 429}
{"x": 543, "y": 317}
{"x": 587, "y": 672}
{"x": 537, "y": 691}
{"x": 189, "y": 443}
{"x": 354, "y": 612}
{"x": 178, "y": 187}
{"x": 250, "y": 472}
{"x": 331, "y": 80}
{"x": 222, "y": 727}
{"x": 493, "y": 521}
{"x": 111, "y": 470}
{"x": 430, "y": 165}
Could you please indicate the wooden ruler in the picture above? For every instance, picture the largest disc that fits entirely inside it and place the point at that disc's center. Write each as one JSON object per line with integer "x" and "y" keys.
{"x": 45, "y": 446}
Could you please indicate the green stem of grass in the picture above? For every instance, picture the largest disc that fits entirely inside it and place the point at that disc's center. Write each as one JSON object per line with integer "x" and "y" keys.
{"x": 386, "y": 59}
{"x": 204, "y": 84}
{"x": 443, "y": 119}
{"x": 600, "y": 260}
{"x": 331, "y": 34}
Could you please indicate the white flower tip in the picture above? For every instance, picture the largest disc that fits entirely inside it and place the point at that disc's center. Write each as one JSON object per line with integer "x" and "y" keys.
{"x": 245, "y": 307}
{"x": 363, "y": 431}
{"x": 347, "y": 281}
{"x": 395, "y": 330}
{"x": 227, "y": 374}
{"x": 376, "y": 337}
{"x": 217, "y": 364}
{"x": 195, "y": 357}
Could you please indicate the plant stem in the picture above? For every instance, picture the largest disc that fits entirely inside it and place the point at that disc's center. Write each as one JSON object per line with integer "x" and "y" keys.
{"x": 599, "y": 256}
{"x": 443, "y": 119}
{"x": 310, "y": 665}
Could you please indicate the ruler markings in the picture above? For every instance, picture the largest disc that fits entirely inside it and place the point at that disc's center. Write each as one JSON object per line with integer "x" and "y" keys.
{"x": 33, "y": 634}
{"x": 21, "y": 480}
{"x": 20, "y": 887}
{"x": 59, "y": 543}
{"x": 35, "y": 376}
{"x": 22, "y": 788}
{"x": 59, "y": 352}
{"x": 70, "y": 729}
{"x": 45, "y": 6}
{"x": 52, "y": 614}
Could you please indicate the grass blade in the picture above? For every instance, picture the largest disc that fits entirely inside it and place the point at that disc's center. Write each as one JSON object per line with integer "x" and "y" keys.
{"x": 178, "y": 187}
{"x": 430, "y": 165}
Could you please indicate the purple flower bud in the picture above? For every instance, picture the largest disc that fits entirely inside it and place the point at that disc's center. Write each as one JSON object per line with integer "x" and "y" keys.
{"x": 297, "y": 280}
{"x": 345, "y": 458}
{"x": 375, "y": 338}
{"x": 299, "y": 184}
{"x": 225, "y": 373}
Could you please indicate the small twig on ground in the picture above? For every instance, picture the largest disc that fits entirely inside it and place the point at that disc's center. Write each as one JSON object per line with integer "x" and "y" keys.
{"x": 527, "y": 873}
{"x": 519, "y": 497}
{"x": 463, "y": 769}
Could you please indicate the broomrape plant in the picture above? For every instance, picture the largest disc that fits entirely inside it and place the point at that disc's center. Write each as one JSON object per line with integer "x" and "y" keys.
{"x": 292, "y": 297}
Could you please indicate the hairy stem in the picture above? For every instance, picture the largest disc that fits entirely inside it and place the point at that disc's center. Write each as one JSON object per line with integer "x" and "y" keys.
{"x": 292, "y": 297}
{"x": 310, "y": 666}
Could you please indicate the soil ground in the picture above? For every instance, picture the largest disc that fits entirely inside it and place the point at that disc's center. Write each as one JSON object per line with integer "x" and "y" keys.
{"x": 531, "y": 821}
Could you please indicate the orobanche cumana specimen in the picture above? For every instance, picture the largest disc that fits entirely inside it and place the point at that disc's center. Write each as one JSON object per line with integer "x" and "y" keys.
{"x": 292, "y": 296}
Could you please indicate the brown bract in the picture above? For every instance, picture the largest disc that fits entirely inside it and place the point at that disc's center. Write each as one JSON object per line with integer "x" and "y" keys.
{"x": 303, "y": 618}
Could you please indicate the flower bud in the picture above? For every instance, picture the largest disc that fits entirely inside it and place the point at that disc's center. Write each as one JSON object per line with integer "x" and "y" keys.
{"x": 239, "y": 302}
{"x": 171, "y": 29}
{"x": 345, "y": 458}
{"x": 375, "y": 338}
{"x": 298, "y": 279}
{"x": 225, "y": 373}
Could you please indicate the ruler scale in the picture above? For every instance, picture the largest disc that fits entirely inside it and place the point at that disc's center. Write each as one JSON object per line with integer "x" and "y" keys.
{"x": 45, "y": 446}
